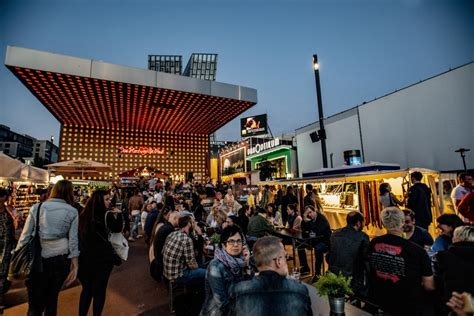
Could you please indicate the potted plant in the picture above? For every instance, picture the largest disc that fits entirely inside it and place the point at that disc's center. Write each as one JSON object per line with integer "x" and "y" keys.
{"x": 335, "y": 286}
{"x": 215, "y": 240}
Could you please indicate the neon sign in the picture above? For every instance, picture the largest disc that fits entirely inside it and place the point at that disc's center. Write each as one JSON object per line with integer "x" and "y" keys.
{"x": 262, "y": 147}
{"x": 141, "y": 150}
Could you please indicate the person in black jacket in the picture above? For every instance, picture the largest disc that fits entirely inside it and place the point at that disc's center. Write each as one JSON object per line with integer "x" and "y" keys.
{"x": 348, "y": 252}
{"x": 316, "y": 223}
{"x": 198, "y": 209}
{"x": 289, "y": 198}
{"x": 97, "y": 256}
{"x": 419, "y": 201}
{"x": 455, "y": 267}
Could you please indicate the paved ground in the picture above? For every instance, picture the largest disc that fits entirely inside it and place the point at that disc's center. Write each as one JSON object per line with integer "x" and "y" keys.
{"x": 131, "y": 291}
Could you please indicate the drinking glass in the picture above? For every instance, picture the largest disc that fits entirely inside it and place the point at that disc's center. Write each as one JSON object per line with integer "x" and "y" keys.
{"x": 295, "y": 274}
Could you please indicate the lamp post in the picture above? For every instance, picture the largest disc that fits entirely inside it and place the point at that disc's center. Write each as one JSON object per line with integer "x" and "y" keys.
{"x": 462, "y": 152}
{"x": 322, "y": 131}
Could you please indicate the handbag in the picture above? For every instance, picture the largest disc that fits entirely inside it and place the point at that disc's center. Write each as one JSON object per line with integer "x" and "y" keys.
{"x": 118, "y": 242}
{"x": 27, "y": 259}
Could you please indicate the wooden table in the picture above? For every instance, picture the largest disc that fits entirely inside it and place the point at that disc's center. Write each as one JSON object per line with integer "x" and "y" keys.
{"x": 320, "y": 305}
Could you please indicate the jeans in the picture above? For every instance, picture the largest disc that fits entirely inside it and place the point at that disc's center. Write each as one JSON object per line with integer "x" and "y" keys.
{"x": 43, "y": 287}
{"x": 135, "y": 222}
{"x": 94, "y": 280}
{"x": 193, "y": 276}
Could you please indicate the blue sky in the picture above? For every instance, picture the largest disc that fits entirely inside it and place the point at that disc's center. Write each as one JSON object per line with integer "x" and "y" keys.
{"x": 366, "y": 48}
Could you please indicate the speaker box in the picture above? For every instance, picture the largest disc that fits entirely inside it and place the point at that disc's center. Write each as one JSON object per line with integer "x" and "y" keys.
{"x": 314, "y": 137}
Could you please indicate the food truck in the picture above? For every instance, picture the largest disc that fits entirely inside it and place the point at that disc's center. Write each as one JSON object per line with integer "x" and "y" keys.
{"x": 356, "y": 188}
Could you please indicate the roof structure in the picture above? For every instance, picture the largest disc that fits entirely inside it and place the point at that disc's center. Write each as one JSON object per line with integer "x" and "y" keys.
{"x": 85, "y": 92}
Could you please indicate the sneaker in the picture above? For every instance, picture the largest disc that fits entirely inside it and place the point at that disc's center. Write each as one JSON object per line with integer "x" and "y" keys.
{"x": 131, "y": 239}
{"x": 139, "y": 236}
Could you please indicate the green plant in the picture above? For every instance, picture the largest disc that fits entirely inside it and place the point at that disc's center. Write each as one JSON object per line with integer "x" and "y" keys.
{"x": 215, "y": 238}
{"x": 334, "y": 285}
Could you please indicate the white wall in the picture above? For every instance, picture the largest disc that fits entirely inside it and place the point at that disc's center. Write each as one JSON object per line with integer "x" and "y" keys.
{"x": 419, "y": 126}
{"x": 342, "y": 134}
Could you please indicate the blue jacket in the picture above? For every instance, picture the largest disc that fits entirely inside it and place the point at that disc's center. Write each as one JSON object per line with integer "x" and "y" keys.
{"x": 57, "y": 220}
{"x": 219, "y": 280}
{"x": 270, "y": 294}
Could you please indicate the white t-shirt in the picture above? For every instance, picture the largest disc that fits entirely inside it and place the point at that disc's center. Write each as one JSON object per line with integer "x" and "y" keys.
{"x": 458, "y": 193}
{"x": 158, "y": 197}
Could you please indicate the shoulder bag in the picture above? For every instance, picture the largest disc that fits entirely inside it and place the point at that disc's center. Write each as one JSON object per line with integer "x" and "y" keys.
{"x": 118, "y": 241}
{"x": 27, "y": 259}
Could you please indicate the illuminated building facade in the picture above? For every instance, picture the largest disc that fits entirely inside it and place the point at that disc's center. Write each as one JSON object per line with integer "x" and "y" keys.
{"x": 128, "y": 117}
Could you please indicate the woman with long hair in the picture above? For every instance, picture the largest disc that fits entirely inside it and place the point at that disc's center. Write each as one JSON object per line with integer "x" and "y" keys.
{"x": 97, "y": 255}
{"x": 58, "y": 223}
{"x": 386, "y": 197}
{"x": 294, "y": 220}
{"x": 7, "y": 243}
{"x": 229, "y": 266}
{"x": 273, "y": 215}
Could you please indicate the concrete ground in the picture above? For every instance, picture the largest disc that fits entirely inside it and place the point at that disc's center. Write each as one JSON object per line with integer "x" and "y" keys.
{"x": 131, "y": 291}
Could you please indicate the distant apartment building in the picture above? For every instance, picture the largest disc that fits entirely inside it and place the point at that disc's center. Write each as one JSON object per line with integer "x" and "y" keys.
{"x": 26, "y": 147}
{"x": 200, "y": 65}
{"x": 46, "y": 149}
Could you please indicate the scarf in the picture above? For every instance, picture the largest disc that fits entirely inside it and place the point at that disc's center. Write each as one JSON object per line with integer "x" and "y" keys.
{"x": 234, "y": 264}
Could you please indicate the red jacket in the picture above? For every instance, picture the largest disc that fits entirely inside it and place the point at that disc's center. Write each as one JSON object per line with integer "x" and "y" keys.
{"x": 466, "y": 206}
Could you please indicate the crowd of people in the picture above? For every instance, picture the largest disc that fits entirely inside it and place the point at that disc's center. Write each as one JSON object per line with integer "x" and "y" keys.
{"x": 201, "y": 238}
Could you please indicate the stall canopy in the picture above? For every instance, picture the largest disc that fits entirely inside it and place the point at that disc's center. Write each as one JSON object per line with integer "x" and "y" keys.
{"x": 11, "y": 168}
{"x": 79, "y": 167}
{"x": 35, "y": 174}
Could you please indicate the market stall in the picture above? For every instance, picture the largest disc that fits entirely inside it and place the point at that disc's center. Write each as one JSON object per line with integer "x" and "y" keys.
{"x": 343, "y": 193}
{"x": 23, "y": 181}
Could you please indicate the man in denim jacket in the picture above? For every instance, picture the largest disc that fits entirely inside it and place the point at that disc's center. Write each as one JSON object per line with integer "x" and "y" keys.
{"x": 271, "y": 292}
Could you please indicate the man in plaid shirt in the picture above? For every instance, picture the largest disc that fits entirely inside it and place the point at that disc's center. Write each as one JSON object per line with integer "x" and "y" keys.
{"x": 178, "y": 255}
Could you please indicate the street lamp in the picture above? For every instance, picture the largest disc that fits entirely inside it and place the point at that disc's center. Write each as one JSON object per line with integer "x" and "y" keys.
{"x": 462, "y": 151}
{"x": 322, "y": 131}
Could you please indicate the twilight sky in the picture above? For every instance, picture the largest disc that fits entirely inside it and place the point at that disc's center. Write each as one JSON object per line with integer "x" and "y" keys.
{"x": 366, "y": 48}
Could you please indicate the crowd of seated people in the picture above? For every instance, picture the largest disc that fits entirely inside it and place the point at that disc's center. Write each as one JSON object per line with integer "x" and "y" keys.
{"x": 405, "y": 262}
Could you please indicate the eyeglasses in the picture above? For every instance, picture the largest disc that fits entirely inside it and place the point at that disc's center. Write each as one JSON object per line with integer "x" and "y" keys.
{"x": 237, "y": 242}
{"x": 286, "y": 256}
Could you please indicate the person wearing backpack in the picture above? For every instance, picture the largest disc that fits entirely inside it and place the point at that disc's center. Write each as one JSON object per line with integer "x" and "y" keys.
{"x": 97, "y": 257}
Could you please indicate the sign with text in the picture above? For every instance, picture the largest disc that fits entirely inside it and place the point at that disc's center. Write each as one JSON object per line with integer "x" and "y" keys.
{"x": 258, "y": 148}
{"x": 253, "y": 125}
{"x": 141, "y": 150}
{"x": 233, "y": 161}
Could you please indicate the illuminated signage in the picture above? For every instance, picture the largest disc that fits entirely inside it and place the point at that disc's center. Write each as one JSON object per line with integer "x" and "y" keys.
{"x": 254, "y": 125}
{"x": 233, "y": 161}
{"x": 141, "y": 150}
{"x": 258, "y": 148}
